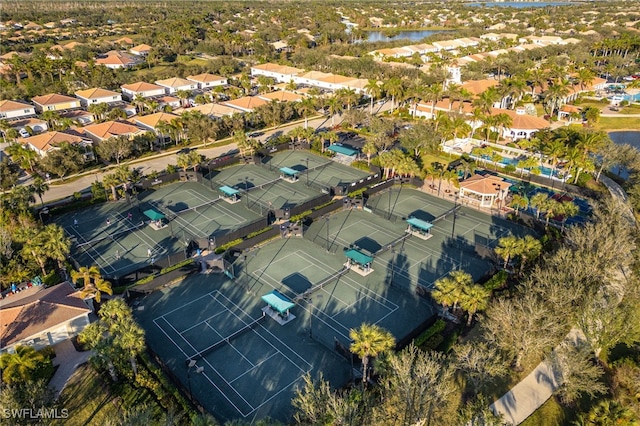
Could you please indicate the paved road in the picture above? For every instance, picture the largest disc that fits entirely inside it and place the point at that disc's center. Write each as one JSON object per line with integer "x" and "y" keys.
{"x": 58, "y": 190}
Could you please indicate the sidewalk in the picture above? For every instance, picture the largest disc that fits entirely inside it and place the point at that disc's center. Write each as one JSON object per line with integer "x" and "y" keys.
{"x": 68, "y": 360}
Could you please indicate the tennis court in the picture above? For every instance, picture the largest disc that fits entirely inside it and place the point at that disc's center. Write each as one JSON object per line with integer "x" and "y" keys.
{"x": 323, "y": 172}
{"x": 212, "y": 330}
{"x": 255, "y": 364}
{"x": 196, "y": 210}
{"x": 115, "y": 237}
{"x": 262, "y": 189}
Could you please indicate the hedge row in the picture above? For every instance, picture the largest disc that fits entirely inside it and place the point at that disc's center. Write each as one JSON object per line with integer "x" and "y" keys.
{"x": 431, "y": 332}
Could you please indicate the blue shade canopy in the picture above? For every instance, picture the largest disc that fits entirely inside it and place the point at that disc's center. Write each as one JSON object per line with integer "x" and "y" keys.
{"x": 278, "y": 301}
{"x": 358, "y": 257}
{"x": 227, "y": 190}
{"x": 289, "y": 172}
{"x": 420, "y": 224}
{"x": 153, "y": 215}
{"x": 342, "y": 150}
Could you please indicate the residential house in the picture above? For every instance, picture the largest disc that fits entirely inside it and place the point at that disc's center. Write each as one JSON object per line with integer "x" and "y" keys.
{"x": 103, "y": 131}
{"x": 332, "y": 82}
{"x": 98, "y": 96}
{"x": 41, "y": 317}
{"x": 116, "y": 61}
{"x": 49, "y": 141}
{"x": 149, "y": 122}
{"x": 280, "y": 73}
{"x": 212, "y": 110}
{"x": 246, "y": 103}
{"x": 476, "y": 87}
{"x": 55, "y": 102}
{"x": 141, "y": 50}
{"x": 170, "y": 101}
{"x": 173, "y": 85}
{"x": 281, "y": 96}
{"x": 523, "y": 125}
{"x": 124, "y": 41}
{"x": 144, "y": 89}
{"x": 35, "y": 124}
{"x": 80, "y": 116}
{"x": 310, "y": 78}
{"x": 16, "y": 109}
{"x": 207, "y": 81}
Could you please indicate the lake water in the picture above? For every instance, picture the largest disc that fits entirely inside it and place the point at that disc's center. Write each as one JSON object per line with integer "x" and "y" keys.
{"x": 411, "y": 35}
{"x": 520, "y": 4}
{"x": 631, "y": 137}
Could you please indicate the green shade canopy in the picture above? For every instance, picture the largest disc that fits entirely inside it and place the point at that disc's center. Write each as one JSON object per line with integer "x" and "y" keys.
{"x": 227, "y": 190}
{"x": 342, "y": 150}
{"x": 289, "y": 172}
{"x": 278, "y": 301}
{"x": 420, "y": 224}
{"x": 358, "y": 257}
{"x": 153, "y": 215}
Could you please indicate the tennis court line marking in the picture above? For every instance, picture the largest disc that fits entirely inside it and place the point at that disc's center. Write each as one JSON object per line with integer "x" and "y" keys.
{"x": 230, "y": 344}
{"x": 213, "y": 369}
{"x": 201, "y": 322}
{"x": 211, "y": 294}
{"x": 253, "y": 366}
{"x": 105, "y": 262}
{"x": 214, "y": 203}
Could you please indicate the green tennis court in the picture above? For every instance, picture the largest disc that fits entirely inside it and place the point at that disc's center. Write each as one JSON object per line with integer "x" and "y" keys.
{"x": 262, "y": 189}
{"x": 323, "y": 171}
{"x": 196, "y": 210}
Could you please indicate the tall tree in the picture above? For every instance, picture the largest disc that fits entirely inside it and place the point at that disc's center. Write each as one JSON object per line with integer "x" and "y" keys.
{"x": 369, "y": 340}
{"x": 40, "y": 187}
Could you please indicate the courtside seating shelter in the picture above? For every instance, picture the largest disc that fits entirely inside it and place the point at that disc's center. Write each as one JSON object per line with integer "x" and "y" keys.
{"x": 278, "y": 302}
{"x": 355, "y": 258}
{"x": 154, "y": 216}
{"x": 229, "y": 194}
{"x": 419, "y": 228}
{"x": 288, "y": 174}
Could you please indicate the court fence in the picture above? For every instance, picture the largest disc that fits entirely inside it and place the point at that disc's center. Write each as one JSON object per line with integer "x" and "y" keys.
{"x": 256, "y": 225}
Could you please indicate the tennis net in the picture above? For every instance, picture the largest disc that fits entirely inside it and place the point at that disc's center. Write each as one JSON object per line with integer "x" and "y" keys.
{"x": 206, "y": 351}
{"x": 447, "y": 213}
{"x": 195, "y": 209}
{"x": 263, "y": 186}
{"x": 321, "y": 285}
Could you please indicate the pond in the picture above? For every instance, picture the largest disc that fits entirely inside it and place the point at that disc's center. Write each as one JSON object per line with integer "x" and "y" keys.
{"x": 631, "y": 137}
{"x": 411, "y": 35}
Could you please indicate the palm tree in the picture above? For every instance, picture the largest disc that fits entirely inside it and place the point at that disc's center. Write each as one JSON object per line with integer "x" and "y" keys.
{"x": 568, "y": 210}
{"x": 183, "y": 95}
{"x": 39, "y": 187}
{"x": 475, "y": 298}
{"x": 554, "y": 149}
{"x": 501, "y": 122}
{"x": 369, "y": 341}
{"x": 19, "y": 366}
{"x": 334, "y": 105}
{"x": 530, "y": 249}
{"x": 112, "y": 181}
{"x": 305, "y": 108}
{"x": 32, "y": 247}
{"x": 95, "y": 289}
{"x": 130, "y": 338}
{"x": 538, "y": 202}
{"x": 190, "y": 159}
{"x": 508, "y": 248}
{"x": 51, "y": 117}
{"x": 394, "y": 87}
{"x": 55, "y": 243}
{"x": 433, "y": 93}
{"x": 445, "y": 293}
{"x": 374, "y": 91}
{"x": 369, "y": 149}
{"x": 519, "y": 202}
{"x": 458, "y": 280}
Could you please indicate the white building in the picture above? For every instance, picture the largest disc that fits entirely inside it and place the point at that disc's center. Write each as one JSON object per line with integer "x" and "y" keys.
{"x": 207, "y": 81}
{"x": 97, "y": 96}
{"x": 173, "y": 85}
{"x": 144, "y": 89}
{"x": 15, "y": 109}
{"x": 281, "y": 73}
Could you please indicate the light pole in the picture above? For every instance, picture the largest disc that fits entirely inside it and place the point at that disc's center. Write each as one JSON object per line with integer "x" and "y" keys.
{"x": 310, "y": 302}
{"x": 455, "y": 215}
{"x": 190, "y": 364}
{"x": 307, "y": 171}
{"x": 326, "y": 218}
{"x": 499, "y": 201}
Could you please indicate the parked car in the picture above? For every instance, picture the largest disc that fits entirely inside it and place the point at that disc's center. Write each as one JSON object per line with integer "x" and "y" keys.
{"x": 255, "y": 134}
{"x": 23, "y": 133}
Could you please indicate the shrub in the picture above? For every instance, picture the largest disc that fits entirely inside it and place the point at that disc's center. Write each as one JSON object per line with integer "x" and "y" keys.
{"x": 52, "y": 278}
{"x": 360, "y": 165}
{"x": 321, "y": 206}
{"x": 357, "y": 192}
{"x": 498, "y": 280}
{"x": 176, "y": 266}
{"x": 432, "y": 342}
{"x": 299, "y": 217}
{"x": 225, "y": 247}
{"x": 437, "y": 327}
{"x": 258, "y": 232}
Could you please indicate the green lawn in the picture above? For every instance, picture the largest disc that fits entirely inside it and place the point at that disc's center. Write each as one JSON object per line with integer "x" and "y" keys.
{"x": 549, "y": 414}
{"x": 90, "y": 399}
{"x": 618, "y": 123}
{"x": 631, "y": 109}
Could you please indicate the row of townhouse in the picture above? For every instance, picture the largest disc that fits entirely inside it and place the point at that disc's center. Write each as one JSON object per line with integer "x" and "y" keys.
{"x": 424, "y": 49}
{"x": 84, "y": 98}
{"x": 528, "y": 43}
{"x": 92, "y": 134}
{"x": 328, "y": 81}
